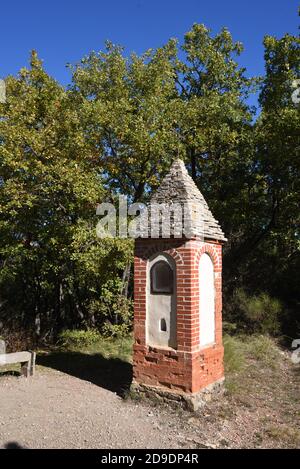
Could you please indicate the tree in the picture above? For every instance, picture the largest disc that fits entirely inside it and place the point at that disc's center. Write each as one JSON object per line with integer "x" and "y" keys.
{"x": 216, "y": 126}
{"x": 127, "y": 108}
{"x": 278, "y": 146}
{"x": 48, "y": 197}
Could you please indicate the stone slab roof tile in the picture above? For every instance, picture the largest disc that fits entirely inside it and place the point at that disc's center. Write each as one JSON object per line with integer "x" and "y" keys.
{"x": 178, "y": 187}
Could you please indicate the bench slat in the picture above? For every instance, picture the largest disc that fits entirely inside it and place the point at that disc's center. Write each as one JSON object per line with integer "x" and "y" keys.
{"x": 18, "y": 357}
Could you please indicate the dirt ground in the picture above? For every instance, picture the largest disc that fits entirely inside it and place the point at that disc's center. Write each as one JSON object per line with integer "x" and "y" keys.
{"x": 58, "y": 409}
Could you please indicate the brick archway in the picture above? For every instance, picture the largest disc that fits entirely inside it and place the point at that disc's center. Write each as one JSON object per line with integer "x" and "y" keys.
{"x": 163, "y": 248}
{"x": 212, "y": 251}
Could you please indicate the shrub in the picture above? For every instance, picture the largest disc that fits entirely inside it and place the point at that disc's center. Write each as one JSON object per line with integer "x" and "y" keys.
{"x": 78, "y": 338}
{"x": 115, "y": 330}
{"x": 262, "y": 348}
{"x": 255, "y": 313}
{"x": 113, "y": 314}
{"x": 229, "y": 328}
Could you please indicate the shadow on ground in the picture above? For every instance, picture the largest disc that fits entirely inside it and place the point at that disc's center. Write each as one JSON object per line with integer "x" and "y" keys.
{"x": 112, "y": 374}
{"x": 10, "y": 373}
{"x": 13, "y": 445}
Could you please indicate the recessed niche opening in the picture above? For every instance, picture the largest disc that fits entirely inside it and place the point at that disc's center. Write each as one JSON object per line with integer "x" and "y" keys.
{"x": 163, "y": 325}
{"x": 161, "y": 278}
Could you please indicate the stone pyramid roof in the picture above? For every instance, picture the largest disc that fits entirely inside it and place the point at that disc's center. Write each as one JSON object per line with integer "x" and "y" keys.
{"x": 178, "y": 187}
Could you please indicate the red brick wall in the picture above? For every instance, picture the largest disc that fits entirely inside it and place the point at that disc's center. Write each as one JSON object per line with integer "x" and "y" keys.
{"x": 188, "y": 368}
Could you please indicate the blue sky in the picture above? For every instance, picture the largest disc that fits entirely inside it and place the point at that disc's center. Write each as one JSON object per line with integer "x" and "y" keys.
{"x": 64, "y": 31}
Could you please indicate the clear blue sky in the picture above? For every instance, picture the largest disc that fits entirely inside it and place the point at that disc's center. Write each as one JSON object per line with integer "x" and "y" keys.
{"x": 65, "y": 30}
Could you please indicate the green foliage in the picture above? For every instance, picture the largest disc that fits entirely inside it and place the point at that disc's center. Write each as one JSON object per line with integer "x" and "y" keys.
{"x": 116, "y": 347}
{"x": 246, "y": 355}
{"x": 78, "y": 339}
{"x": 278, "y": 162}
{"x": 127, "y": 108}
{"x": 229, "y": 328}
{"x": 234, "y": 354}
{"x": 123, "y": 313}
{"x": 92, "y": 342}
{"x": 254, "y": 313}
{"x": 234, "y": 362}
{"x": 53, "y": 265}
{"x": 263, "y": 349}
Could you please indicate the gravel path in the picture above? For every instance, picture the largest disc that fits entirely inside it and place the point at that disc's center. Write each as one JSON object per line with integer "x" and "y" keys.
{"x": 55, "y": 410}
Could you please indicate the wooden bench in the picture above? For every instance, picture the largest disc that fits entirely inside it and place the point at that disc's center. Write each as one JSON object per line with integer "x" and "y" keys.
{"x": 27, "y": 360}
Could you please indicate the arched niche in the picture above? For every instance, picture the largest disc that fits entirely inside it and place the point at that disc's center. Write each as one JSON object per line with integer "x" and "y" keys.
{"x": 161, "y": 278}
{"x": 161, "y": 301}
{"x": 207, "y": 300}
